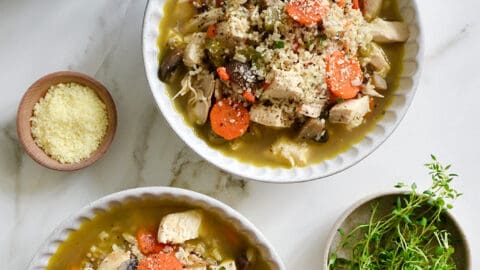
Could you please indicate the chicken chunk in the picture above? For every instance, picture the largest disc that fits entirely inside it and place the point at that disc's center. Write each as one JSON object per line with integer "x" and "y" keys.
{"x": 312, "y": 110}
{"x": 194, "y": 52}
{"x": 177, "y": 228}
{"x": 200, "y": 101}
{"x": 236, "y": 27}
{"x": 272, "y": 116}
{"x": 115, "y": 260}
{"x": 294, "y": 153}
{"x": 225, "y": 265}
{"x": 388, "y": 32}
{"x": 350, "y": 112}
{"x": 201, "y": 21}
{"x": 375, "y": 56}
{"x": 283, "y": 86}
{"x": 371, "y": 8}
{"x": 369, "y": 89}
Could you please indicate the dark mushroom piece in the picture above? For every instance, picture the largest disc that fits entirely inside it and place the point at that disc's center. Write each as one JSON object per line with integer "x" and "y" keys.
{"x": 241, "y": 74}
{"x": 314, "y": 129}
{"x": 131, "y": 264}
{"x": 245, "y": 259}
{"x": 170, "y": 62}
{"x": 243, "y": 262}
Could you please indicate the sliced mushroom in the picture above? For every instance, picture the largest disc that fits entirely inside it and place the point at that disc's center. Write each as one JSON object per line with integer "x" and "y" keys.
{"x": 114, "y": 260}
{"x": 388, "y": 32}
{"x": 241, "y": 74}
{"x": 313, "y": 129}
{"x": 131, "y": 264}
{"x": 201, "y": 99}
{"x": 170, "y": 62}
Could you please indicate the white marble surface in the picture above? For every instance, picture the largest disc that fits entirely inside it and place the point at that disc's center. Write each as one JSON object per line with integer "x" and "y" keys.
{"x": 102, "y": 38}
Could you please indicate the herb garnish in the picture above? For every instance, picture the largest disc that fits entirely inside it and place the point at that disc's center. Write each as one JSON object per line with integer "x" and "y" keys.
{"x": 279, "y": 44}
{"x": 410, "y": 236}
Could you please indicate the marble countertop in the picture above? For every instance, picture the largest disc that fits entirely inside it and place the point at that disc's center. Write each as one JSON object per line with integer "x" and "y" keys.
{"x": 102, "y": 38}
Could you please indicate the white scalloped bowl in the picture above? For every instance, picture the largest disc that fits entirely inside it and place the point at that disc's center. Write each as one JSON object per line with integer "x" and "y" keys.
{"x": 240, "y": 223}
{"x": 394, "y": 113}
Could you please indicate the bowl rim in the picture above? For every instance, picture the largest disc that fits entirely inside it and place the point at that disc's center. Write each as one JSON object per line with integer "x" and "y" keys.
{"x": 355, "y": 205}
{"x": 24, "y": 126}
{"x": 105, "y": 203}
{"x": 264, "y": 173}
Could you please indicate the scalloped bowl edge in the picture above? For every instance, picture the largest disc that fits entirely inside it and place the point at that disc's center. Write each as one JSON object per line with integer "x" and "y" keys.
{"x": 225, "y": 212}
{"x": 402, "y": 99}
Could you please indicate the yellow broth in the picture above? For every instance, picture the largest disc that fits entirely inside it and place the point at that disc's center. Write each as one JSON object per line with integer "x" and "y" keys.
{"x": 254, "y": 146}
{"x": 132, "y": 217}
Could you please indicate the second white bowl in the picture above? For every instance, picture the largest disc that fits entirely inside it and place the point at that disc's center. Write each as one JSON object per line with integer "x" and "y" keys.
{"x": 240, "y": 223}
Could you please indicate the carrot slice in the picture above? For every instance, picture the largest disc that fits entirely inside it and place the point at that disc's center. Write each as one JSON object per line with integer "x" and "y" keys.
{"x": 341, "y": 3}
{"x": 229, "y": 119}
{"x": 223, "y": 74}
{"x": 211, "y": 31}
{"x": 307, "y": 11}
{"x": 344, "y": 76}
{"x": 160, "y": 261}
{"x": 249, "y": 96}
{"x": 372, "y": 103}
{"x": 355, "y": 4}
{"x": 147, "y": 242}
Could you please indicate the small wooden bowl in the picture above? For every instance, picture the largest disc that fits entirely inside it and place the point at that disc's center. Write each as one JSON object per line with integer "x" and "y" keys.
{"x": 36, "y": 91}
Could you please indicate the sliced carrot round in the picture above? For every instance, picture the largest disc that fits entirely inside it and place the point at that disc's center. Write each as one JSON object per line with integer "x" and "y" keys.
{"x": 344, "y": 76}
{"x": 356, "y": 4}
{"x": 147, "y": 242}
{"x": 160, "y": 261}
{"x": 307, "y": 11}
{"x": 229, "y": 119}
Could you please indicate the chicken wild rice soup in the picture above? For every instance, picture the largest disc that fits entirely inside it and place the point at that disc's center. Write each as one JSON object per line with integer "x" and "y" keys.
{"x": 152, "y": 235}
{"x": 281, "y": 83}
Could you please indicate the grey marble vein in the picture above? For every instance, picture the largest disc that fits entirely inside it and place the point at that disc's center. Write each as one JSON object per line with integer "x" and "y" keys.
{"x": 142, "y": 138}
{"x": 191, "y": 172}
{"x": 451, "y": 42}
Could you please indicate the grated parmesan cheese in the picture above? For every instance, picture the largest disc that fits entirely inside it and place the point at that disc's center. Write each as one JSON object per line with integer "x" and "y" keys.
{"x": 69, "y": 123}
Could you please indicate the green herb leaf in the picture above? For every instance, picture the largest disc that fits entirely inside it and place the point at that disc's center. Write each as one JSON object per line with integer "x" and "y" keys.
{"x": 279, "y": 44}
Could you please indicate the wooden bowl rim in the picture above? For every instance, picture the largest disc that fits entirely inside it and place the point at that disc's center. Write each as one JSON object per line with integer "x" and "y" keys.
{"x": 38, "y": 90}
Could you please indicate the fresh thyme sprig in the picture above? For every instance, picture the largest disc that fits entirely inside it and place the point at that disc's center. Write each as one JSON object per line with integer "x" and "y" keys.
{"x": 410, "y": 237}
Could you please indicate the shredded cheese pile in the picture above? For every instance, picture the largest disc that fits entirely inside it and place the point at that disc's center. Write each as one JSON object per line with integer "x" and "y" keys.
{"x": 69, "y": 123}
